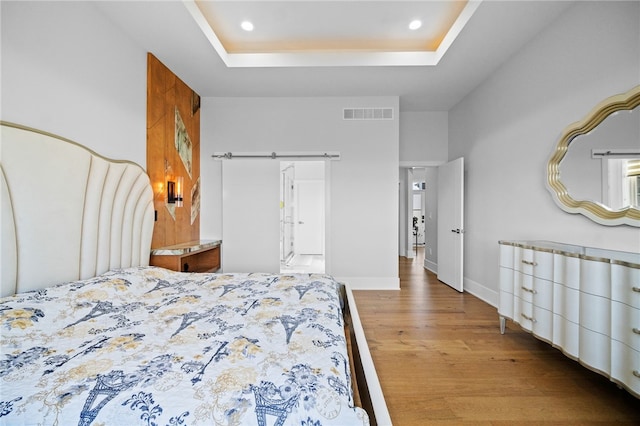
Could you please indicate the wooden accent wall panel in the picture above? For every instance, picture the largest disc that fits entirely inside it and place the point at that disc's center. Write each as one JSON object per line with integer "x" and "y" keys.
{"x": 165, "y": 93}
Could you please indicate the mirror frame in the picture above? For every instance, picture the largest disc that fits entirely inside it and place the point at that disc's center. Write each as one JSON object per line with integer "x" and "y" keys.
{"x": 591, "y": 209}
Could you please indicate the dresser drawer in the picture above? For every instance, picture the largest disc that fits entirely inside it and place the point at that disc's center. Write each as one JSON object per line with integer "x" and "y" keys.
{"x": 566, "y": 270}
{"x": 566, "y": 302}
{"x": 534, "y": 319}
{"x": 595, "y": 313}
{"x": 543, "y": 326}
{"x": 625, "y": 324}
{"x": 505, "y": 305}
{"x": 595, "y": 277}
{"x": 505, "y": 301}
{"x": 506, "y": 279}
{"x": 625, "y": 284}
{"x": 595, "y": 350}
{"x": 534, "y": 262}
{"x": 565, "y": 335}
{"x": 506, "y": 256}
{"x": 625, "y": 366}
{"x": 534, "y": 290}
{"x": 523, "y": 313}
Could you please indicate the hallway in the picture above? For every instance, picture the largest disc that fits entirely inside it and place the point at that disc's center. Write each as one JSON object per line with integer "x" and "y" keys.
{"x": 441, "y": 359}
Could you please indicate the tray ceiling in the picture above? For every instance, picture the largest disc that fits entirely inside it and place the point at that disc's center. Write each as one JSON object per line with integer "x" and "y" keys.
{"x": 331, "y": 33}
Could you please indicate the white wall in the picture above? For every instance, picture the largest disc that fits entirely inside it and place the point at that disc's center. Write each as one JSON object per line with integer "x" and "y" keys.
{"x": 67, "y": 70}
{"x": 507, "y": 128}
{"x": 424, "y": 137}
{"x": 363, "y": 228}
{"x": 424, "y": 141}
{"x": 403, "y": 221}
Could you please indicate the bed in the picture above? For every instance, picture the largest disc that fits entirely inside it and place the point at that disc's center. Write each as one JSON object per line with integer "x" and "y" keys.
{"x": 91, "y": 334}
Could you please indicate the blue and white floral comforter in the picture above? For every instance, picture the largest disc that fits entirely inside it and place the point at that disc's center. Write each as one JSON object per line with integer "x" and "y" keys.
{"x": 148, "y": 346}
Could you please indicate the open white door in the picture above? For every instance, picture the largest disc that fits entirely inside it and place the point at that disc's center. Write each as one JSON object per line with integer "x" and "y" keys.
{"x": 451, "y": 223}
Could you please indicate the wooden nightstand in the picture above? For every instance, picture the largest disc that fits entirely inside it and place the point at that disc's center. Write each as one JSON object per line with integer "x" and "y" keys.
{"x": 194, "y": 256}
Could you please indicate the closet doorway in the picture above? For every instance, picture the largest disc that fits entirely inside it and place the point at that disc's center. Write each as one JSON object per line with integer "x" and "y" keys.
{"x": 302, "y": 216}
{"x": 275, "y": 215}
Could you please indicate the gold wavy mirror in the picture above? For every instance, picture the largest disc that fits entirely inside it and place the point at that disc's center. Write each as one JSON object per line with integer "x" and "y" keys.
{"x": 595, "y": 168}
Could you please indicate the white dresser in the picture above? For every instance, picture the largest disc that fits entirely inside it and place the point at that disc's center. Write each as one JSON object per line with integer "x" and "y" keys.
{"x": 582, "y": 300}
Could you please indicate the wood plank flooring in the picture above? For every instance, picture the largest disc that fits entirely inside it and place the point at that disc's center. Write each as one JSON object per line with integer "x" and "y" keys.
{"x": 441, "y": 359}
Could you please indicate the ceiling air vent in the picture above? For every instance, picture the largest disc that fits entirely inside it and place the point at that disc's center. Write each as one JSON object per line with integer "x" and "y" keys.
{"x": 368, "y": 114}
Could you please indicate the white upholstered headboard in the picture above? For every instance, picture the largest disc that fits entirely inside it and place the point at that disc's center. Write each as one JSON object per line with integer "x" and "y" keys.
{"x": 67, "y": 213}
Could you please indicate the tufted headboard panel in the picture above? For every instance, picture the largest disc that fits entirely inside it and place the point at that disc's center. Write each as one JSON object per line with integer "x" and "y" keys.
{"x": 66, "y": 212}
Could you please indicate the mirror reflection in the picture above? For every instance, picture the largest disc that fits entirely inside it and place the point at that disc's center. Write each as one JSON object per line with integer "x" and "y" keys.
{"x": 595, "y": 167}
{"x": 604, "y": 165}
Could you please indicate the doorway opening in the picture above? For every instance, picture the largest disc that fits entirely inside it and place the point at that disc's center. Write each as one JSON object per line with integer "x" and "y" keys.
{"x": 302, "y": 217}
{"x": 419, "y": 200}
{"x": 414, "y": 200}
{"x": 418, "y": 212}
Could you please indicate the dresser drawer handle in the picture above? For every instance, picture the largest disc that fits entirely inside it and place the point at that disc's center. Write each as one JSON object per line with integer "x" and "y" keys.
{"x": 636, "y": 289}
{"x": 526, "y": 262}
{"x": 636, "y": 330}
{"x": 636, "y": 373}
{"x": 528, "y": 318}
{"x": 530, "y": 290}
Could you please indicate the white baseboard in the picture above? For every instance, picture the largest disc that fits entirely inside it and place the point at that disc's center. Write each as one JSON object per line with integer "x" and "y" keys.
{"x": 371, "y": 283}
{"x": 431, "y": 266}
{"x": 481, "y": 292}
{"x": 478, "y": 290}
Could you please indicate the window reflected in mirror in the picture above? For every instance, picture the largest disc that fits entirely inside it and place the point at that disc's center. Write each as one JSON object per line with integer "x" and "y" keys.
{"x": 621, "y": 189}
{"x": 595, "y": 168}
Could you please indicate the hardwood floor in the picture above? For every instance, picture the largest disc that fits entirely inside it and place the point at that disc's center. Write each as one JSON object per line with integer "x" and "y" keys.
{"x": 441, "y": 359}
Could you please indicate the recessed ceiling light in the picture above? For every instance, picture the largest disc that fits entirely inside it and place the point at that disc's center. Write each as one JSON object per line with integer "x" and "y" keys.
{"x": 247, "y": 25}
{"x": 415, "y": 24}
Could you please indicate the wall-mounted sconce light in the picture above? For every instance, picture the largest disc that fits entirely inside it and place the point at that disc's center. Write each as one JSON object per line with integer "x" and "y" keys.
{"x": 174, "y": 191}
{"x": 179, "y": 191}
{"x": 171, "y": 192}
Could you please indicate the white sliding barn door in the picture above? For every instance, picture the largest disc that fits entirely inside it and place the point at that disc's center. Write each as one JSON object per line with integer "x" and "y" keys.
{"x": 250, "y": 216}
{"x": 450, "y": 223}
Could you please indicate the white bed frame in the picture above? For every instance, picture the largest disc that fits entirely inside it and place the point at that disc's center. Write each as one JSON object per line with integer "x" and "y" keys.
{"x": 67, "y": 213}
